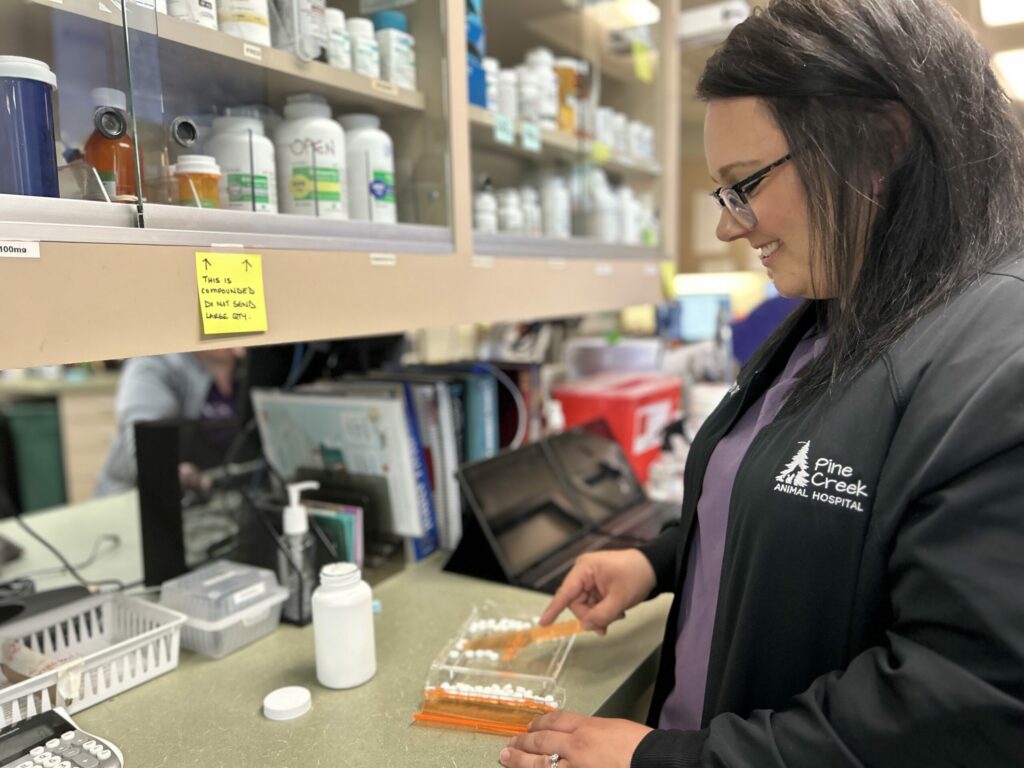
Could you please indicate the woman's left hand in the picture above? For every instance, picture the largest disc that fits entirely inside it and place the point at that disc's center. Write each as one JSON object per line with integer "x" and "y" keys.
{"x": 579, "y": 742}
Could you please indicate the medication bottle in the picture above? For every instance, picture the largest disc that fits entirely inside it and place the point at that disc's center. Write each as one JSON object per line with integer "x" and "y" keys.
{"x": 110, "y": 150}
{"x": 508, "y": 93}
{"x": 247, "y": 19}
{"x": 631, "y": 217}
{"x": 397, "y": 48}
{"x": 567, "y": 70}
{"x": 248, "y": 169}
{"x": 339, "y": 44}
{"x": 485, "y": 211}
{"x": 533, "y": 217}
{"x": 529, "y": 95}
{"x": 311, "y": 159}
{"x": 198, "y": 178}
{"x": 343, "y": 627}
{"x": 28, "y": 155}
{"x": 201, "y": 12}
{"x": 491, "y": 69}
{"x": 510, "y": 211}
{"x": 557, "y": 208}
{"x": 296, "y": 564}
{"x": 365, "y": 49}
{"x": 636, "y": 137}
{"x": 542, "y": 63}
{"x": 371, "y": 170}
{"x": 303, "y": 28}
{"x": 620, "y": 133}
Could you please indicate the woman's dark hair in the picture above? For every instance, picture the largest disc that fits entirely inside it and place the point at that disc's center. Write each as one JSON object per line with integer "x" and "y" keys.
{"x": 866, "y": 89}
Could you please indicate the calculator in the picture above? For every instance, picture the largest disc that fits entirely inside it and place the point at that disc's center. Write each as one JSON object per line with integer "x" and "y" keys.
{"x": 52, "y": 740}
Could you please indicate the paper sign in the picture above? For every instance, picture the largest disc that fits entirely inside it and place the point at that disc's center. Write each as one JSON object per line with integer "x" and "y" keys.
{"x": 231, "y": 298}
{"x": 600, "y": 153}
{"x": 504, "y": 129}
{"x": 531, "y": 137}
{"x": 642, "y": 63}
{"x": 19, "y": 249}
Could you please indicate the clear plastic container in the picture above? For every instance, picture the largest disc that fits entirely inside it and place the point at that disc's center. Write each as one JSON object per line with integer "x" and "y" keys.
{"x": 228, "y": 605}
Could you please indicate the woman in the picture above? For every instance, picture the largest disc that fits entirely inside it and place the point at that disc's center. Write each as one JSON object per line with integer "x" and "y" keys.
{"x": 848, "y": 569}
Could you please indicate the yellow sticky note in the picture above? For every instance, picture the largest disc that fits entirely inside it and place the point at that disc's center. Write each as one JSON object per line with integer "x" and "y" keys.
{"x": 668, "y": 279}
{"x": 600, "y": 153}
{"x": 231, "y": 298}
{"x": 642, "y": 63}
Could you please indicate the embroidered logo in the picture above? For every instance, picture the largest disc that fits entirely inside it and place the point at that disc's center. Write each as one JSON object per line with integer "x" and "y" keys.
{"x": 825, "y": 480}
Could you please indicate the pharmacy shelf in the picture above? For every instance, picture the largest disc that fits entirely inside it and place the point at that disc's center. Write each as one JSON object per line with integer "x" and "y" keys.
{"x": 555, "y": 146}
{"x": 505, "y": 245}
{"x": 284, "y": 72}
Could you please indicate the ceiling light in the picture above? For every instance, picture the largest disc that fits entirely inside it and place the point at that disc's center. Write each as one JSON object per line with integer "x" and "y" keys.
{"x": 1009, "y": 66}
{"x": 997, "y": 13}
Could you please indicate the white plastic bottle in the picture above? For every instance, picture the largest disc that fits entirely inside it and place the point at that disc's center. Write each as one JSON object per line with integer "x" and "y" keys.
{"x": 397, "y": 48}
{"x": 339, "y": 44}
{"x": 510, "y": 211}
{"x": 365, "y": 49}
{"x": 247, "y": 162}
{"x": 296, "y": 566}
{"x": 508, "y": 93}
{"x": 371, "y": 170}
{"x": 529, "y": 95}
{"x": 343, "y": 627}
{"x": 542, "y": 64}
{"x": 201, "y": 12}
{"x": 491, "y": 68}
{"x": 533, "y": 217}
{"x": 303, "y": 28}
{"x": 311, "y": 159}
{"x": 485, "y": 211}
{"x": 557, "y": 208}
{"x": 247, "y": 19}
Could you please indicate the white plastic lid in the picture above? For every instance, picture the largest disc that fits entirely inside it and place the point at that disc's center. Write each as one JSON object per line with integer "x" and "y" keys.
{"x": 109, "y": 97}
{"x": 238, "y": 124}
{"x": 359, "y": 122}
{"x": 287, "y": 703}
{"x": 199, "y": 164}
{"x": 491, "y": 64}
{"x": 340, "y": 574}
{"x": 509, "y": 76}
{"x": 359, "y": 27}
{"x": 508, "y": 196}
{"x": 335, "y": 17}
{"x": 540, "y": 57}
{"x": 484, "y": 202}
{"x": 300, "y": 105}
{"x": 27, "y": 69}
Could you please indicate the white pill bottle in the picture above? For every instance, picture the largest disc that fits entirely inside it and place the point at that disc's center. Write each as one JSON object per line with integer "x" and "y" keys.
{"x": 311, "y": 159}
{"x": 247, "y": 19}
{"x": 248, "y": 169}
{"x": 343, "y": 627}
{"x": 370, "y": 160}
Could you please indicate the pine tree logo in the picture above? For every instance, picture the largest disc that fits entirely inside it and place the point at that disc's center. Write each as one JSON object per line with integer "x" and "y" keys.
{"x": 795, "y": 472}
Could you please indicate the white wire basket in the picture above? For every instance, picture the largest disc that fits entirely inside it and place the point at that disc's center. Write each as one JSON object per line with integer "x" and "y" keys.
{"x": 120, "y": 642}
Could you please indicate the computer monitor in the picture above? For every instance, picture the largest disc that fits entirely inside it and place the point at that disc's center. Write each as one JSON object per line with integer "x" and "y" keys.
{"x": 696, "y": 317}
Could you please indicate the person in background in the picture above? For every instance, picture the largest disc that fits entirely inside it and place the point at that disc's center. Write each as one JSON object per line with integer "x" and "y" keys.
{"x": 847, "y": 571}
{"x": 193, "y": 385}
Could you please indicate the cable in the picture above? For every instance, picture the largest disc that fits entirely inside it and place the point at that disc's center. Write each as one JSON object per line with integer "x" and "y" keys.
{"x": 517, "y": 396}
{"x": 113, "y": 538}
{"x": 90, "y": 585}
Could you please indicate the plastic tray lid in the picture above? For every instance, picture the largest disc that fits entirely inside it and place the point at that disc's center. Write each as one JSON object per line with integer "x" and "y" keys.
{"x": 219, "y": 590}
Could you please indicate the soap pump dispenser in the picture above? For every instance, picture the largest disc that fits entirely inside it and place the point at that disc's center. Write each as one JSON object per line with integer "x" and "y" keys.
{"x": 296, "y": 561}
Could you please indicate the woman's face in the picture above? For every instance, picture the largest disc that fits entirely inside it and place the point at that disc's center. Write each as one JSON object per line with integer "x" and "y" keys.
{"x": 740, "y": 138}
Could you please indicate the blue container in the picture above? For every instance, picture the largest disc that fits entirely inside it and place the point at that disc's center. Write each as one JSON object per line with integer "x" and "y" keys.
{"x": 390, "y": 20}
{"x": 28, "y": 155}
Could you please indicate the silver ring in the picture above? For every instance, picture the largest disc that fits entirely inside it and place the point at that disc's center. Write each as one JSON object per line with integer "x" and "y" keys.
{"x": 554, "y": 760}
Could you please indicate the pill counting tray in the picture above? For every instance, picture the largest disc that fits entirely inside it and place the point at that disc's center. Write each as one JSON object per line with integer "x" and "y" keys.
{"x": 491, "y": 690}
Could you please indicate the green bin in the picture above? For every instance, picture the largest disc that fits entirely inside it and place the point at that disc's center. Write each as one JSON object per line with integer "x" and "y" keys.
{"x": 35, "y": 432}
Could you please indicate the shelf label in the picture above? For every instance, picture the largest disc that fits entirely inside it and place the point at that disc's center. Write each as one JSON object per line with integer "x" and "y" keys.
{"x": 383, "y": 86}
{"x": 383, "y": 260}
{"x": 19, "y": 249}
{"x": 483, "y": 262}
{"x": 643, "y": 65}
{"x": 251, "y": 51}
{"x": 600, "y": 152}
{"x": 504, "y": 129}
{"x": 603, "y": 270}
{"x": 531, "y": 136}
{"x": 231, "y": 298}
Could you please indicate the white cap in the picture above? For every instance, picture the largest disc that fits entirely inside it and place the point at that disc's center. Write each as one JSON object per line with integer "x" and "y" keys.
{"x": 335, "y": 17}
{"x": 359, "y": 27}
{"x": 198, "y": 164}
{"x": 359, "y": 121}
{"x": 300, "y": 105}
{"x": 296, "y": 519}
{"x": 287, "y": 703}
{"x": 340, "y": 574}
{"x": 236, "y": 124}
{"x": 509, "y": 76}
{"x": 540, "y": 57}
{"x": 484, "y": 202}
{"x": 27, "y": 69}
{"x": 491, "y": 64}
{"x": 509, "y": 196}
{"x": 109, "y": 97}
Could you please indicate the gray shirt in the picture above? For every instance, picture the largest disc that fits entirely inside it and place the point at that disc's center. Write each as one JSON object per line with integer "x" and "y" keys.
{"x": 151, "y": 388}
{"x": 684, "y": 706}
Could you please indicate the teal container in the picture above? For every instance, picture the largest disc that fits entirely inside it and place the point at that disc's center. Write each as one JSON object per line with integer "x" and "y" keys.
{"x": 39, "y": 463}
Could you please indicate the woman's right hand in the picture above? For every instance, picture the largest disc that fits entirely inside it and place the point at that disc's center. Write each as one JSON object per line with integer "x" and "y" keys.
{"x": 601, "y": 587}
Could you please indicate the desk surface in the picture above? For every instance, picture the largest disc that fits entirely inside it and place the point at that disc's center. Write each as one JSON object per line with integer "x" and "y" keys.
{"x": 208, "y": 712}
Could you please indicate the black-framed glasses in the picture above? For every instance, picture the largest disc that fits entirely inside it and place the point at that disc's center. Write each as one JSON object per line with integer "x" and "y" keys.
{"x": 734, "y": 198}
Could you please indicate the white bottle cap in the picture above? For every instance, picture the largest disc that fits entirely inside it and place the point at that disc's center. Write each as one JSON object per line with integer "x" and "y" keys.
{"x": 340, "y": 574}
{"x": 235, "y": 124}
{"x": 335, "y": 17}
{"x": 109, "y": 97}
{"x": 27, "y": 69}
{"x": 300, "y": 105}
{"x": 198, "y": 164}
{"x": 287, "y": 703}
{"x": 491, "y": 64}
{"x": 359, "y": 27}
{"x": 540, "y": 57}
{"x": 296, "y": 519}
{"x": 508, "y": 76}
{"x": 358, "y": 121}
